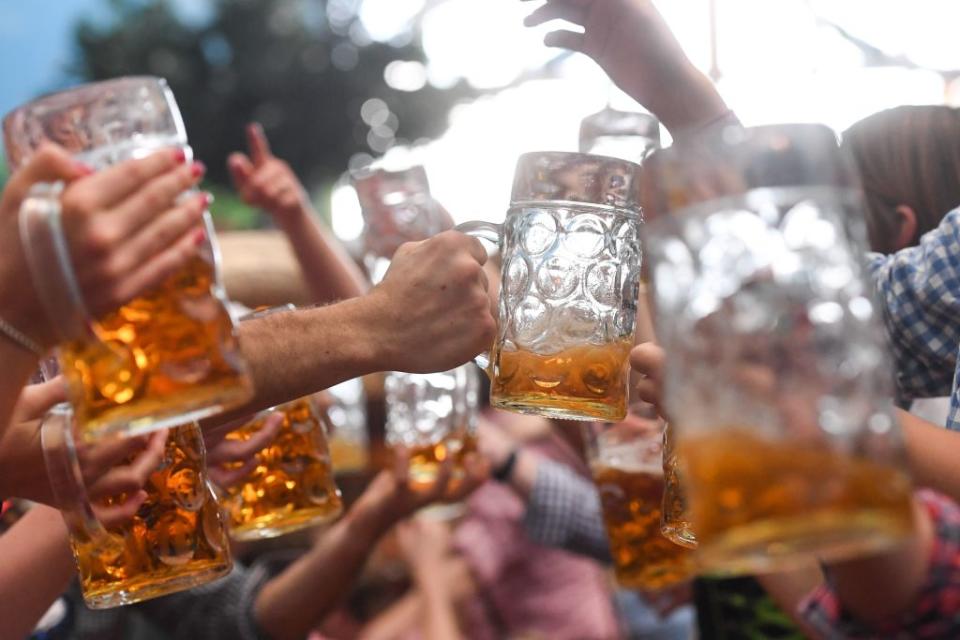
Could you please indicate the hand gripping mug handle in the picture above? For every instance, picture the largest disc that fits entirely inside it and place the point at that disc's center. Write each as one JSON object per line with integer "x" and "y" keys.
{"x": 66, "y": 480}
{"x": 48, "y": 258}
{"x": 493, "y": 234}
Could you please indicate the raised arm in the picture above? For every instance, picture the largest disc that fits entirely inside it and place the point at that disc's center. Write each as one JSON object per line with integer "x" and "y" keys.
{"x": 39, "y": 539}
{"x": 302, "y": 596}
{"x": 430, "y": 313}
{"x": 634, "y": 46}
{"x": 264, "y": 180}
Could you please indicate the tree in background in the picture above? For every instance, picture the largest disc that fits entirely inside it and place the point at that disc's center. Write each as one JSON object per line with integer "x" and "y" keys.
{"x": 303, "y": 68}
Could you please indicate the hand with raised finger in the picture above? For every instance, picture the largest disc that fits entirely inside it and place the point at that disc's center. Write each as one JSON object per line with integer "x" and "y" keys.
{"x": 229, "y": 462}
{"x": 116, "y": 489}
{"x": 265, "y": 181}
{"x": 631, "y": 41}
{"x": 431, "y": 310}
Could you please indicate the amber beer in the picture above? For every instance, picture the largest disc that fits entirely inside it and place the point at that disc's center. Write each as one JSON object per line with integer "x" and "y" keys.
{"x": 155, "y": 356}
{"x": 586, "y": 379}
{"x": 758, "y": 504}
{"x": 426, "y": 460}
{"x": 292, "y": 486}
{"x": 675, "y": 524}
{"x": 631, "y": 501}
{"x": 176, "y": 540}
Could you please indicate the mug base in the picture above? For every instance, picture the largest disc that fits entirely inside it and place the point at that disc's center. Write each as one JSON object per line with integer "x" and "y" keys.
{"x": 280, "y": 524}
{"x": 148, "y": 587}
{"x": 560, "y": 408}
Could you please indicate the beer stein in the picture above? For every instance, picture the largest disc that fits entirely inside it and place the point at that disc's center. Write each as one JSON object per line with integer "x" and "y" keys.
{"x": 168, "y": 357}
{"x": 626, "y": 460}
{"x": 292, "y": 486}
{"x": 397, "y": 207}
{"x": 571, "y": 271}
{"x": 675, "y": 521}
{"x": 434, "y": 417}
{"x": 777, "y": 377}
{"x": 349, "y": 440}
{"x": 177, "y": 540}
{"x": 630, "y": 135}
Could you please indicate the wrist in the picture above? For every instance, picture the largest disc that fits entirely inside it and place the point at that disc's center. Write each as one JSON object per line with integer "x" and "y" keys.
{"x": 375, "y": 329}
{"x": 690, "y": 102}
{"x": 293, "y": 219}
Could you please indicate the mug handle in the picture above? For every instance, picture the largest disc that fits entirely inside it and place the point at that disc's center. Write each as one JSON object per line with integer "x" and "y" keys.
{"x": 492, "y": 233}
{"x": 66, "y": 480}
{"x": 48, "y": 258}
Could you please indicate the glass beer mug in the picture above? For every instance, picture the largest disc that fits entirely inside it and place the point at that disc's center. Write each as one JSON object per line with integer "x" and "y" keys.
{"x": 397, "y": 207}
{"x": 434, "y": 417}
{"x": 777, "y": 379}
{"x": 571, "y": 271}
{"x": 675, "y": 521}
{"x": 169, "y": 357}
{"x": 177, "y": 540}
{"x": 292, "y": 486}
{"x": 627, "y": 465}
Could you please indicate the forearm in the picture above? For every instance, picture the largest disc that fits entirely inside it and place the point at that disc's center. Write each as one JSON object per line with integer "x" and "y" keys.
{"x": 293, "y": 354}
{"x": 18, "y": 365}
{"x": 931, "y": 454}
{"x": 439, "y": 615}
{"x": 291, "y": 604}
{"x": 689, "y": 102}
{"x": 877, "y": 588}
{"x": 329, "y": 271}
{"x": 27, "y": 590}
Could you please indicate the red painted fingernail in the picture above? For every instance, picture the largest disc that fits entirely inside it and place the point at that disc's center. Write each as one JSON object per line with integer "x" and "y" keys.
{"x": 199, "y": 236}
{"x": 179, "y": 156}
{"x": 207, "y": 198}
{"x": 198, "y": 169}
{"x": 83, "y": 169}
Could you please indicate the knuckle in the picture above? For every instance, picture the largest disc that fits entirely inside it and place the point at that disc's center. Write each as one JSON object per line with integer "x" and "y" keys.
{"x": 77, "y": 201}
{"x": 100, "y": 238}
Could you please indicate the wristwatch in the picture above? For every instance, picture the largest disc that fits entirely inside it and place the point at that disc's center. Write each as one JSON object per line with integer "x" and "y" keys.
{"x": 502, "y": 473}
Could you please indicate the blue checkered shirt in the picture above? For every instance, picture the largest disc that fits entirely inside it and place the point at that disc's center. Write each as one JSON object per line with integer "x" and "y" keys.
{"x": 919, "y": 292}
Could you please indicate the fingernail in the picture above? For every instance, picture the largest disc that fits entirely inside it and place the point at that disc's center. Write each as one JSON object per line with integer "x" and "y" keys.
{"x": 179, "y": 156}
{"x": 198, "y": 169}
{"x": 206, "y": 198}
{"x": 83, "y": 169}
{"x": 199, "y": 236}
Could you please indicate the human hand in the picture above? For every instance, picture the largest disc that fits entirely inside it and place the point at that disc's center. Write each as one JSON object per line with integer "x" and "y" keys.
{"x": 230, "y": 461}
{"x": 647, "y": 359}
{"x": 631, "y": 42}
{"x": 115, "y": 472}
{"x": 102, "y": 466}
{"x": 425, "y": 544}
{"x": 265, "y": 181}
{"x": 124, "y": 226}
{"x": 392, "y": 496}
{"x": 431, "y": 310}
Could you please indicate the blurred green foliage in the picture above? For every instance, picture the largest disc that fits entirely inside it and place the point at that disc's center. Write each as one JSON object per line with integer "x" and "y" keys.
{"x": 303, "y": 68}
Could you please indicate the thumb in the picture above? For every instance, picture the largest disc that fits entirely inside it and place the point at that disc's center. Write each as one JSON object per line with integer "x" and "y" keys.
{"x": 241, "y": 169}
{"x": 50, "y": 163}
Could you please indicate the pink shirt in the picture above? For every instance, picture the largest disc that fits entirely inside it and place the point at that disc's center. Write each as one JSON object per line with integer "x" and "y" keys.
{"x": 525, "y": 588}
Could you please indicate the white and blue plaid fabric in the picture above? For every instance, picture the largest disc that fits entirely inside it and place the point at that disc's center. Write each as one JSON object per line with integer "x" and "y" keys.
{"x": 919, "y": 292}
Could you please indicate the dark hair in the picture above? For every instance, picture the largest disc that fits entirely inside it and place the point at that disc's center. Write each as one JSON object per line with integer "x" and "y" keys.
{"x": 907, "y": 156}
